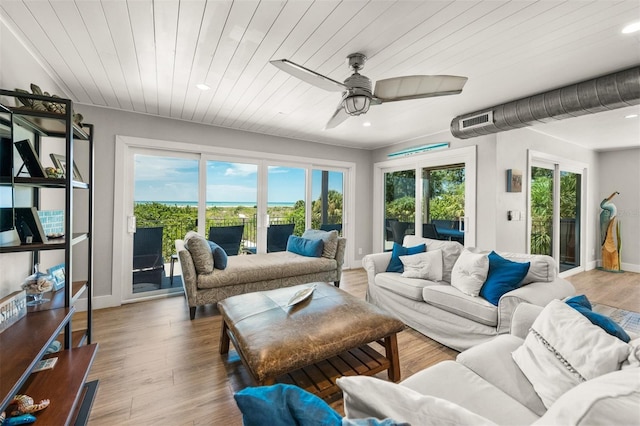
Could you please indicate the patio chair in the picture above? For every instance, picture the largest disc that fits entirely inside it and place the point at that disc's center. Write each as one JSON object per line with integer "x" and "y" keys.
{"x": 227, "y": 237}
{"x": 331, "y": 227}
{"x": 429, "y": 230}
{"x": 277, "y": 236}
{"x": 148, "y": 263}
{"x": 399, "y": 230}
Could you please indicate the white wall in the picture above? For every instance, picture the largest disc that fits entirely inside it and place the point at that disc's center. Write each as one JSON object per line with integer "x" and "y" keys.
{"x": 620, "y": 171}
{"x": 18, "y": 69}
{"x": 109, "y": 123}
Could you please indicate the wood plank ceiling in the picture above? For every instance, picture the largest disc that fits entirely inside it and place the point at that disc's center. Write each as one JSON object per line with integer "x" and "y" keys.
{"x": 148, "y": 56}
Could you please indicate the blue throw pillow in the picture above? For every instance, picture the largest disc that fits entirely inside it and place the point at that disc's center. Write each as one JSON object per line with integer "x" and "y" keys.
{"x": 219, "y": 255}
{"x": 395, "y": 265}
{"x": 504, "y": 276}
{"x": 581, "y": 304}
{"x": 284, "y": 405}
{"x": 305, "y": 246}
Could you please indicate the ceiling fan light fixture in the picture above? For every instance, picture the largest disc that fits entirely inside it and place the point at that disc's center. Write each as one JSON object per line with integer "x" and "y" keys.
{"x": 357, "y": 104}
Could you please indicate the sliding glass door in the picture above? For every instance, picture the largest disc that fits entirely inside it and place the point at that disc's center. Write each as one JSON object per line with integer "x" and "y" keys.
{"x": 556, "y": 212}
{"x": 399, "y": 206}
{"x": 443, "y": 202}
{"x": 246, "y": 204}
{"x": 327, "y": 194}
{"x": 165, "y": 208}
{"x": 231, "y": 217}
{"x": 432, "y": 196}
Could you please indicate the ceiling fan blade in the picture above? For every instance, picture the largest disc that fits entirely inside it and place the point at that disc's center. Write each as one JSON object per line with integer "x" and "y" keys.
{"x": 338, "y": 117}
{"x": 308, "y": 75}
{"x": 418, "y": 86}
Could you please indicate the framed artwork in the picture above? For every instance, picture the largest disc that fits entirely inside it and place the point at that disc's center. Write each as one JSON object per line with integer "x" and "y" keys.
{"x": 30, "y": 159}
{"x": 60, "y": 162}
{"x": 57, "y": 272}
{"x": 514, "y": 180}
{"x": 28, "y": 225}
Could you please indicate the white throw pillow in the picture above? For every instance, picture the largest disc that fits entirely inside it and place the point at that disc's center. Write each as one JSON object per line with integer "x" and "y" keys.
{"x": 564, "y": 349}
{"x": 426, "y": 265}
{"x": 611, "y": 399}
{"x": 470, "y": 272}
{"x": 370, "y": 397}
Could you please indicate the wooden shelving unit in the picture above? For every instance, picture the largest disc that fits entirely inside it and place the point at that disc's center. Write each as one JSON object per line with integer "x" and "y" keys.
{"x": 24, "y": 343}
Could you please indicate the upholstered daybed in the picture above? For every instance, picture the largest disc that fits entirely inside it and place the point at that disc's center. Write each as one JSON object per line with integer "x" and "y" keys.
{"x": 249, "y": 273}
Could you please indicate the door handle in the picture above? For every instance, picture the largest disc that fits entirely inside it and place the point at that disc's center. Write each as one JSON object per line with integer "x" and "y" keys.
{"x": 131, "y": 224}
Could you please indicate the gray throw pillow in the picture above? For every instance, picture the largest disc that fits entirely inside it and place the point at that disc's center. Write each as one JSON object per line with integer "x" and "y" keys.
{"x": 200, "y": 251}
{"x": 329, "y": 238}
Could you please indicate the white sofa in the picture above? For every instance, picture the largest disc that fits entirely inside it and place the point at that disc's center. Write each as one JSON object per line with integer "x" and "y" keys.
{"x": 485, "y": 386}
{"x": 445, "y": 314}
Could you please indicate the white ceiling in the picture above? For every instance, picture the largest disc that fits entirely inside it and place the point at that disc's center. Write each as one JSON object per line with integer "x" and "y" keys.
{"x": 147, "y": 56}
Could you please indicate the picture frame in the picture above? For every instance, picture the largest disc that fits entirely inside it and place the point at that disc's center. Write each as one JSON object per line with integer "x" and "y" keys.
{"x": 58, "y": 274}
{"x": 30, "y": 159}
{"x": 514, "y": 180}
{"x": 28, "y": 225}
{"x": 60, "y": 162}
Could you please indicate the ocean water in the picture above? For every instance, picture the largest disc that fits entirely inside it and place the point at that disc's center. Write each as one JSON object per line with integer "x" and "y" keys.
{"x": 218, "y": 203}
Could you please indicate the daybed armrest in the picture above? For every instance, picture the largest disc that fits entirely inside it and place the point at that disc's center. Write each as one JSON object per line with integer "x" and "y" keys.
{"x": 189, "y": 276}
{"x": 538, "y": 293}
{"x": 523, "y": 317}
{"x": 375, "y": 263}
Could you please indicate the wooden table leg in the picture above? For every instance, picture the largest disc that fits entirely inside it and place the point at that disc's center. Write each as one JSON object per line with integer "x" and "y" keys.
{"x": 224, "y": 338}
{"x": 391, "y": 351}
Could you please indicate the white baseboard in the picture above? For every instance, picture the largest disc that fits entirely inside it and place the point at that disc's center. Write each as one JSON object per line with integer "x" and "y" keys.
{"x": 591, "y": 265}
{"x": 627, "y": 267}
{"x": 99, "y": 302}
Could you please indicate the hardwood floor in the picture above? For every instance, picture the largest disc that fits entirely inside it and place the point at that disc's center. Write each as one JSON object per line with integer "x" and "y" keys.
{"x": 155, "y": 366}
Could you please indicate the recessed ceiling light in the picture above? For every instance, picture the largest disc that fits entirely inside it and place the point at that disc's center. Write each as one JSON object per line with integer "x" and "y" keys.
{"x": 631, "y": 28}
{"x": 366, "y": 124}
{"x": 202, "y": 86}
{"x": 631, "y": 116}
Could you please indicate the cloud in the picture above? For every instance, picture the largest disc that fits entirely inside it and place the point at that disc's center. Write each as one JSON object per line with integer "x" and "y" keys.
{"x": 237, "y": 169}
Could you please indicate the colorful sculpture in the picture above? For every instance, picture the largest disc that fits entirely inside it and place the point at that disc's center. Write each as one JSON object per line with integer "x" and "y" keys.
{"x": 608, "y": 225}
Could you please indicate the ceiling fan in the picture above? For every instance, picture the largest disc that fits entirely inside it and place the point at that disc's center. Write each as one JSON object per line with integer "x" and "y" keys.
{"x": 356, "y": 89}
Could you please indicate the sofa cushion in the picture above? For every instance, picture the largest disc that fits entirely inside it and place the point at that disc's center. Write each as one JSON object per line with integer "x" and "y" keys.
{"x": 504, "y": 275}
{"x": 219, "y": 255}
{"x": 492, "y": 361}
{"x": 456, "y": 383}
{"x": 542, "y": 268}
{"x": 470, "y": 272}
{"x": 366, "y": 397}
{"x": 450, "y": 251}
{"x": 426, "y": 266}
{"x": 329, "y": 240}
{"x": 611, "y": 399}
{"x": 284, "y": 405}
{"x": 395, "y": 265}
{"x": 452, "y": 300}
{"x": 563, "y": 349}
{"x": 410, "y": 288}
{"x": 200, "y": 252}
{"x": 263, "y": 267}
{"x": 304, "y": 246}
{"x": 581, "y": 304}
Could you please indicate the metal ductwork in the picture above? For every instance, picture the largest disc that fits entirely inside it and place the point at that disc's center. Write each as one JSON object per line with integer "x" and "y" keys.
{"x": 617, "y": 90}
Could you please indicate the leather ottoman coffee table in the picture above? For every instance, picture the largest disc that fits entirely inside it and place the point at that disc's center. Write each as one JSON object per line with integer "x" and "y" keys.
{"x": 312, "y": 343}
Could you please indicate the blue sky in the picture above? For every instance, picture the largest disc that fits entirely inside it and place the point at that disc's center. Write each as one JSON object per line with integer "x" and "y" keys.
{"x": 175, "y": 179}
